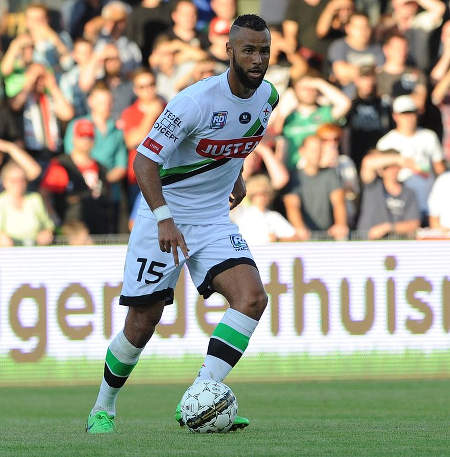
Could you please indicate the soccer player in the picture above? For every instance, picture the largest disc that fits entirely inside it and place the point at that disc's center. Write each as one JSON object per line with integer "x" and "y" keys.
{"x": 189, "y": 172}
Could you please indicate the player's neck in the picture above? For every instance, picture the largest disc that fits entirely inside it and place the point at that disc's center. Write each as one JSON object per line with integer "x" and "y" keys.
{"x": 237, "y": 88}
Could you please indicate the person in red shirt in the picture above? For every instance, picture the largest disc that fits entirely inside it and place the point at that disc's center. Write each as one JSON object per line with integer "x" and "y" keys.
{"x": 137, "y": 120}
{"x": 75, "y": 185}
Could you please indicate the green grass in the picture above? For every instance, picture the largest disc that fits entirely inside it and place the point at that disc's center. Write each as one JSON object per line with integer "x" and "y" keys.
{"x": 314, "y": 419}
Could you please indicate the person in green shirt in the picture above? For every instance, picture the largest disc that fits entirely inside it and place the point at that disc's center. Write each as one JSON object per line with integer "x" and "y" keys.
{"x": 318, "y": 102}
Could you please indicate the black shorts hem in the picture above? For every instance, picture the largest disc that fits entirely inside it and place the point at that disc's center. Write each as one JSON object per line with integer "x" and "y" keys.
{"x": 165, "y": 295}
{"x": 206, "y": 289}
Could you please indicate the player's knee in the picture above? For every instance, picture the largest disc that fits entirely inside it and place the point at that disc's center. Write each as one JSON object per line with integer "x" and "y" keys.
{"x": 140, "y": 324}
{"x": 254, "y": 304}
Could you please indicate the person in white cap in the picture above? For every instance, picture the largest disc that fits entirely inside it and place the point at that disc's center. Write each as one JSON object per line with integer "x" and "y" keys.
{"x": 420, "y": 145}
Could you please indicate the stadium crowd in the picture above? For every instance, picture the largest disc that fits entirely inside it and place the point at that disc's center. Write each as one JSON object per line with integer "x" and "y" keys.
{"x": 359, "y": 142}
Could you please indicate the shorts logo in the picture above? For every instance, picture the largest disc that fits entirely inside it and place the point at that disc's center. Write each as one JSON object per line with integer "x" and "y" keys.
{"x": 153, "y": 145}
{"x": 235, "y": 148}
{"x": 245, "y": 117}
{"x": 219, "y": 119}
{"x": 238, "y": 242}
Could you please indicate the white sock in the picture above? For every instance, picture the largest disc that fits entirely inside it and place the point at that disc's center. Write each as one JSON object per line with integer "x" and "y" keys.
{"x": 121, "y": 358}
{"x": 227, "y": 344}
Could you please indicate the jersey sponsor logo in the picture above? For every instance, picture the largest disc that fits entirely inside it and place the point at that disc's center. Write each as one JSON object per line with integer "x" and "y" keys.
{"x": 238, "y": 243}
{"x": 219, "y": 119}
{"x": 168, "y": 124}
{"x": 265, "y": 114}
{"x": 245, "y": 117}
{"x": 153, "y": 145}
{"x": 218, "y": 149}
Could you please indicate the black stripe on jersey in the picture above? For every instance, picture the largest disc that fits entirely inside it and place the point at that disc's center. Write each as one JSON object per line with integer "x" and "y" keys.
{"x": 275, "y": 103}
{"x": 112, "y": 379}
{"x": 224, "y": 352}
{"x": 180, "y": 176}
{"x": 260, "y": 131}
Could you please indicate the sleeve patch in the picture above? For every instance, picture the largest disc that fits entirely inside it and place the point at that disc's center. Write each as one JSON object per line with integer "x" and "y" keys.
{"x": 152, "y": 145}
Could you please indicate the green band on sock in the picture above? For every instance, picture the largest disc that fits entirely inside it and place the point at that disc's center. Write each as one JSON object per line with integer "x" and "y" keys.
{"x": 229, "y": 334}
{"x": 116, "y": 366}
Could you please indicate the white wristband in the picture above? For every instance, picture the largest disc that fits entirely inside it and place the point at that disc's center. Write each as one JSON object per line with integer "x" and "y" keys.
{"x": 162, "y": 212}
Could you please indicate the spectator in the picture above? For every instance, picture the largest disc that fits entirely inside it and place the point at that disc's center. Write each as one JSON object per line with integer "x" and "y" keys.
{"x": 395, "y": 78}
{"x": 284, "y": 65}
{"x": 416, "y": 26}
{"x": 184, "y": 17}
{"x": 369, "y": 117}
{"x": 171, "y": 61}
{"x": 257, "y": 224}
{"x": 347, "y": 54}
{"x": 16, "y": 61}
{"x": 70, "y": 81}
{"x": 388, "y": 207}
{"x": 111, "y": 29}
{"x": 137, "y": 120}
{"x": 331, "y": 135}
{"x": 438, "y": 203}
{"x": 333, "y": 20}
{"x": 224, "y": 9}
{"x": 23, "y": 218}
{"x": 441, "y": 93}
{"x": 41, "y": 105}
{"x": 309, "y": 114}
{"x": 109, "y": 148}
{"x": 146, "y": 22}
{"x": 299, "y": 29}
{"x": 76, "y": 233}
{"x": 107, "y": 66}
{"x": 79, "y": 13}
{"x": 50, "y": 49}
{"x": 314, "y": 199}
{"x": 420, "y": 145}
{"x": 218, "y": 36}
{"x": 76, "y": 185}
{"x": 9, "y": 126}
{"x": 11, "y": 152}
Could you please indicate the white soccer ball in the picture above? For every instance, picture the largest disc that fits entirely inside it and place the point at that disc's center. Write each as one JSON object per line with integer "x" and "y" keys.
{"x": 208, "y": 407}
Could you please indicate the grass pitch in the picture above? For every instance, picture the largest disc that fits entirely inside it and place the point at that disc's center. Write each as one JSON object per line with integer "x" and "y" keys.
{"x": 314, "y": 419}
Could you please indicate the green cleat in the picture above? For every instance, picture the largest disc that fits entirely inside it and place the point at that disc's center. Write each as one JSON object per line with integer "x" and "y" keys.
{"x": 100, "y": 422}
{"x": 239, "y": 422}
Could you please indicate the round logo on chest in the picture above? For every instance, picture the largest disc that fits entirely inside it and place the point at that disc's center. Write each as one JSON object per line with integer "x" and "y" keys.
{"x": 245, "y": 117}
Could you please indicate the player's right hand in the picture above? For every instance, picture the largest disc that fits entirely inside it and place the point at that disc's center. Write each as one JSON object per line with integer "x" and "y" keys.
{"x": 170, "y": 238}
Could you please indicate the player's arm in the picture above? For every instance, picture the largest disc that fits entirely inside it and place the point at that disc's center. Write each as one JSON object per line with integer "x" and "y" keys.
{"x": 147, "y": 175}
{"x": 239, "y": 191}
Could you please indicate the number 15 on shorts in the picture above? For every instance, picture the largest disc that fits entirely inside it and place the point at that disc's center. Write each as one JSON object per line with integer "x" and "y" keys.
{"x": 157, "y": 275}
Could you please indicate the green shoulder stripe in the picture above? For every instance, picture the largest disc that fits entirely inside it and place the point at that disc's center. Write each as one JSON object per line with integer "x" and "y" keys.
{"x": 257, "y": 128}
{"x": 182, "y": 169}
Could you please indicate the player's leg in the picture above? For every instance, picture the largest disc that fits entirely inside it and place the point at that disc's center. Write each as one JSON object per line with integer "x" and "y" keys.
{"x": 121, "y": 357}
{"x": 244, "y": 291}
{"x": 149, "y": 280}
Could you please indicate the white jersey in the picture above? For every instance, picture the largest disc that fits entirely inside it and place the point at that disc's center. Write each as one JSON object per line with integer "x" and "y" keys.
{"x": 200, "y": 142}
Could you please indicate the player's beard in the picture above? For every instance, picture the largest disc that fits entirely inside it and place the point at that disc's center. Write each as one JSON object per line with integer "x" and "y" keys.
{"x": 244, "y": 79}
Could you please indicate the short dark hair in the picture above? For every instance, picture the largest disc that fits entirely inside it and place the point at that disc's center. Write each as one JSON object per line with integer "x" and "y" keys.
{"x": 250, "y": 21}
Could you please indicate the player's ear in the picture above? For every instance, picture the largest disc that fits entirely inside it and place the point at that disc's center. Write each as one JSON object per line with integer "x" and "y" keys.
{"x": 229, "y": 50}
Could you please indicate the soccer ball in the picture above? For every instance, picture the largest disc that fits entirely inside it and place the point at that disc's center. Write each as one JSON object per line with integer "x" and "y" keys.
{"x": 208, "y": 407}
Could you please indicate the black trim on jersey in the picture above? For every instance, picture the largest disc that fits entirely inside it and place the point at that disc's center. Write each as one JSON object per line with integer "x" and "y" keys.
{"x": 180, "y": 176}
{"x": 275, "y": 103}
{"x": 206, "y": 289}
{"x": 112, "y": 379}
{"x": 260, "y": 131}
{"x": 223, "y": 351}
{"x": 165, "y": 295}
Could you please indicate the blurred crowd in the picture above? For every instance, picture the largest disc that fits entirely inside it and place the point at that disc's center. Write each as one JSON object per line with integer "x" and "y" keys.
{"x": 358, "y": 144}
